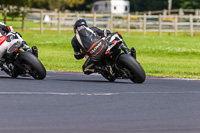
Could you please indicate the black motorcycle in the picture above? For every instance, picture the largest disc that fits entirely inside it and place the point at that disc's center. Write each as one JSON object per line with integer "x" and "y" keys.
{"x": 120, "y": 65}
{"x": 20, "y": 62}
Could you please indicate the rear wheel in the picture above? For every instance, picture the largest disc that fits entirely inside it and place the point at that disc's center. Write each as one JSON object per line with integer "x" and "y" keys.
{"x": 132, "y": 68}
{"x": 33, "y": 65}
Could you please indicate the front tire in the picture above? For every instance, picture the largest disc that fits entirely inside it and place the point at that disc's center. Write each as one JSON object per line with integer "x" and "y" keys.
{"x": 132, "y": 68}
{"x": 33, "y": 65}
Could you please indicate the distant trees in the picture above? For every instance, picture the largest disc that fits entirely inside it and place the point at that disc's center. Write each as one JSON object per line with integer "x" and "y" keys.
{"x": 18, "y": 3}
{"x": 146, "y": 5}
{"x": 86, "y": 5}
{"x": 189, "y": 4}
{"x": 13, "y": 6}
{"x": 56, "y": 4}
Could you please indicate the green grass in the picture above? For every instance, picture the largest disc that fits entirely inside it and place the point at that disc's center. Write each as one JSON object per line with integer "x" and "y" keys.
{"x": 55, "y": 51}
{"x": 17, "y": 23}
{"x": 164, "y": 56}
{"x": 168, "y": 56}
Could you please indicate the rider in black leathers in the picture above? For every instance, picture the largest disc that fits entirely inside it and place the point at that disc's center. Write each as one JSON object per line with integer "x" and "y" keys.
{"x": 92, "y": 42}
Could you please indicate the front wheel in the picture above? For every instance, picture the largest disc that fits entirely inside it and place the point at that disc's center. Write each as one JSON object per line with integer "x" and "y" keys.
{"x": 132, "y": 68}
{"x": 33, "y": 65}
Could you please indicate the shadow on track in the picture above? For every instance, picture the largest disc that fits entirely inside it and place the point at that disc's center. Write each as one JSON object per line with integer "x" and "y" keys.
{"x": 18, "y": 78}
{"x": 97, "y": 81}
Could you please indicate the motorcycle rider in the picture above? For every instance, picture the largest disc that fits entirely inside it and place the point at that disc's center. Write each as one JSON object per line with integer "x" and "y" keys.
{"x": 93, "y": 42}
{"x": 8, "y": 42}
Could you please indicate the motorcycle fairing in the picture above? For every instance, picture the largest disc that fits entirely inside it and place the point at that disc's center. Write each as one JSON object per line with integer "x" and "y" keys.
{"x": 2, "y": 39}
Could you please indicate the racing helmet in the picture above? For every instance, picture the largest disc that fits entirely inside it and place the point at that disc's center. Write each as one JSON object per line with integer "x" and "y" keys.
{"x": 80, "y": 22}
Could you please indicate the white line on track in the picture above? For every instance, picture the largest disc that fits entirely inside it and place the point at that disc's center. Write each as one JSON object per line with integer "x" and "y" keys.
{"x": 94, "y": 94}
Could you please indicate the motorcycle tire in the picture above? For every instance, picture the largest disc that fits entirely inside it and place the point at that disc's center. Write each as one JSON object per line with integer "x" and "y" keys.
{"x": 133, "y": 68}
{"x": 30, "y": 61}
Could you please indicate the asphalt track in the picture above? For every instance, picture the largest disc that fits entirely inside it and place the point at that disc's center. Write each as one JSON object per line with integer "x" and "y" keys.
{"x": 77, "y": 103}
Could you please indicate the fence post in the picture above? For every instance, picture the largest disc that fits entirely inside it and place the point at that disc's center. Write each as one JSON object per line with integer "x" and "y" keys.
{"x": 176, "y": 25}
{"x": 164, "y": 12}
{"x": 191, "y": 25}
{"x": 77, "y": 15}
{"x": 129, "y": 23}
{"x": 196, "y": 12}
{"x": 144, "y": 23}
{"x": 5, "y": 15}
{"x": 23, "y": 19}
{"x": 111, "y": 22}
{"x": 160, "y": 25}
{"x": 94, "y": 18}
{"x": 41, "y": 22}
{"x": 59, "y": 22}
{"x": 149, "y": 13}
{"x": 180, "y": 12}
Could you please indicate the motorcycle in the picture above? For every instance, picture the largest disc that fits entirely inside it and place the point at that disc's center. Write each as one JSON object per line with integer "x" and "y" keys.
{"x": 120, "y": 65}
{"x": 21, "y": 62}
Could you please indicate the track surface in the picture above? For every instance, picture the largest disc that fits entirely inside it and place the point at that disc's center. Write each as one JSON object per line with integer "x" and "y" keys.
{"x": 77, "y": 103}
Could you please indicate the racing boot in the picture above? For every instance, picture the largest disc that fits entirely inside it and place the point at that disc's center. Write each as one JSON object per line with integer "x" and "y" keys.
{"x": 35, "y": 51}
{"x": 99, "y": 69}
{"x": 1, "y": 64}
{"x": 104, "y": 70}
{"x": 125, "y": 48}
{"x": 133, "y": 52}
{"x": 4, "y": 67}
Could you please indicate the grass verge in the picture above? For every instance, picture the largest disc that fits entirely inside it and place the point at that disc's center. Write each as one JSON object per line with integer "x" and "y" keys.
{"x": 164, "y": 56}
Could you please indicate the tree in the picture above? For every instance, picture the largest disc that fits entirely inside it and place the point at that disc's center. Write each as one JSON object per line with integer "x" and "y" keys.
{"x": 189, "y": 4}
{"x": 14, "y": 6}
{"x": 86, "y": 6}
{"x": 56, "y": 4}
{"x": 146, "y": 5}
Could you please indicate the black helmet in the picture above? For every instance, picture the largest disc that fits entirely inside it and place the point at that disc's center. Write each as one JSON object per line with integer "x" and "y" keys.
{"x": 80, "y": 22}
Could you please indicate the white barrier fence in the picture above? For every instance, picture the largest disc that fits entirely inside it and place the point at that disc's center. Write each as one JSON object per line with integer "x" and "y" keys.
{"x": 125, "y": 22}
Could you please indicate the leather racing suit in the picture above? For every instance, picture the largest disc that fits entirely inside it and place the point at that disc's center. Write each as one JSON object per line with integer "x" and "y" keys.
{"x": 92, "y": 42}
{"x": 3, "y": 39}
{"x": 88, "y": 41}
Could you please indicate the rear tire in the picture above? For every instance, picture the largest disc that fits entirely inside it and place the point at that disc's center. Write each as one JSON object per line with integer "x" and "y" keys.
{"x": 33, "y": 65}
{"x": 132, "y": 68}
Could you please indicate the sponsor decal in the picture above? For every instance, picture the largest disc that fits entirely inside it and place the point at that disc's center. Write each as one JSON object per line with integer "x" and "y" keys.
{"x": 95, "y": 48}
